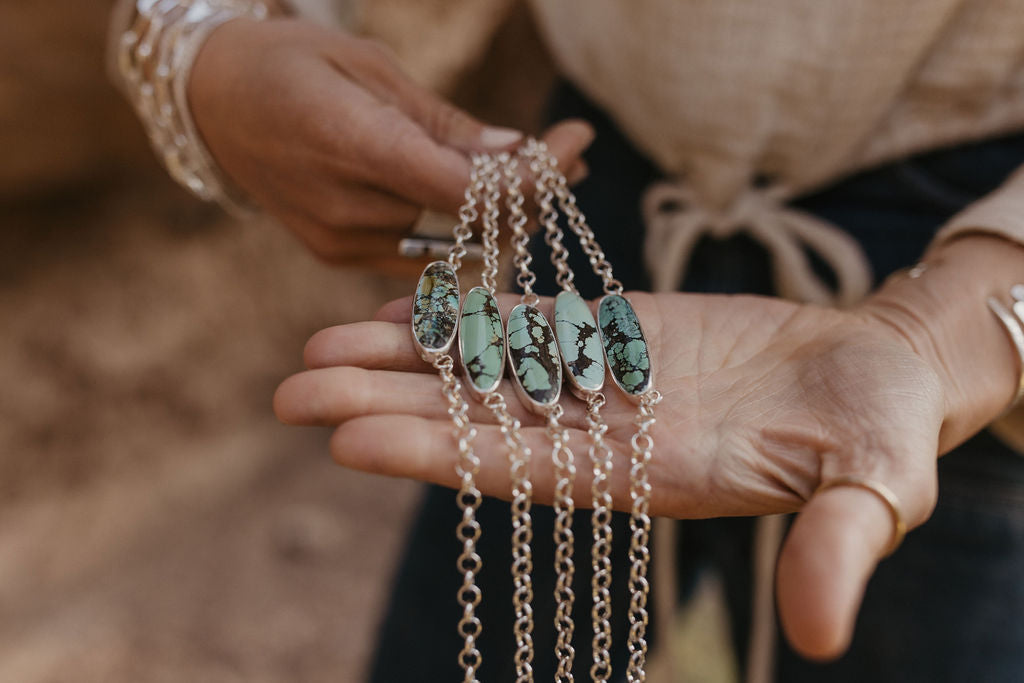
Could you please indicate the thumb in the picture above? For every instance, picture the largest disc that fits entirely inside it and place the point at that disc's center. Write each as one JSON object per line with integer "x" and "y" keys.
{"x": 828, "y": 557}
{"x": 451, "y": 126}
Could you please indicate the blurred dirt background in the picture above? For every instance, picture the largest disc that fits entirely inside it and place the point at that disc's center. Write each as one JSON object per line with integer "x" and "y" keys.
{"x": 156, "y": 522}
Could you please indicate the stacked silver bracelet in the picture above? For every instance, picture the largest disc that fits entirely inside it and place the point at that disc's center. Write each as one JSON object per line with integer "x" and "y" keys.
{"x": 154, "y": 60}
{"x": 1012, "y": 318}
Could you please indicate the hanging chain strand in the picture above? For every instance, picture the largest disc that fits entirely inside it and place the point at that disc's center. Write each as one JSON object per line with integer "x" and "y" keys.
{"x": 642, "y": 443}
{"x": 522, "y": 535}
{"x": 517, "y": 220}
{"x": 518, "y": 452}
{"x": 565, "y": 567}
{"x": 469, "y": 496}
{"x": 468, "y": 529}
{"x": 565, "y": 468}
{"x": 544, "y": 181}
{"x": 491, "y": 175}
{"x": 468, "y": 215}
{"x": 640, "y": 532}
{"x": 600, "y": 520}
{"x": 577, "y": 222}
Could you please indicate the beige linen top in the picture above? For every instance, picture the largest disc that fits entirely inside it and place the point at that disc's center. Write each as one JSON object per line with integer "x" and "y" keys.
{"x": 720, "y": 92}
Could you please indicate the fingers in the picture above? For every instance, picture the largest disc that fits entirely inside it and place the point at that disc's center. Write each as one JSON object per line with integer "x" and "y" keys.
{"x": 331, "y": 396}
{"x": 349, "y": 206}
{"x": 832, "y": 550}
{"x": 404, "y": 446}
{"x": 373, "y": 367}
{"x": 374, "y": 345}
{"x": 567, "y": 141}
{"x": 395, "y": 311}
{"x": 378, "y": 70}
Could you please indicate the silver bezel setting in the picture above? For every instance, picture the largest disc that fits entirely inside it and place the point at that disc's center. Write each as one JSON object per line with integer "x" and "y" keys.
{"x": 475, "y": 391}
{"x": 524, "y": 397}
{"x": 431, "y": 354}
{"x": 577, "y": 390}
{"x": 633, "y": 397}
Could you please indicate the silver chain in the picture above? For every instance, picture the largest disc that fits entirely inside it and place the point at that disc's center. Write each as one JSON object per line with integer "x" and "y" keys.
{"x": 565, "y": 567}
{"x": 491, "y": 169}
{"x": 491, "y": 174}
{"x": 468, "y": 215}
{"x": 517, "y": 220}
{"x": 640, "y": 533}
{"x": 565, "y": 468}
{"x": 522, "y": 535}
{"x": 577, "y": 222}
{"x": 469, "y": 497}
{"x": 600, "y": 520}
{"x": 468, "y": 529}
{"x": 544, "y": 181}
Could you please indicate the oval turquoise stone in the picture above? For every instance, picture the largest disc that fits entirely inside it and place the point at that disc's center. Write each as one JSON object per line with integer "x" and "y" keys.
{"x": 482, "y": 340}
{"x": 578, "y": 341}
{"x": 533, "y": 352}
{"x": 624, "y": 344}
{"x": 435, "y": 308}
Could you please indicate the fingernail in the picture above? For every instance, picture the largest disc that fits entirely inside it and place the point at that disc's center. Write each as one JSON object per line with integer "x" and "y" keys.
{"x": 499, "y": 137}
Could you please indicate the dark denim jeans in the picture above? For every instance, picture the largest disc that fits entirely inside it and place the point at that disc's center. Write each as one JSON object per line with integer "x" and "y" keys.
{"x": 948, "y": 606}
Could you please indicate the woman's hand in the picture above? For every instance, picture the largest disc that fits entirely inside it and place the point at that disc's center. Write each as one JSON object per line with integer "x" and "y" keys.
{"x": 763, "y": 400}
{"x": 324, "y": 131}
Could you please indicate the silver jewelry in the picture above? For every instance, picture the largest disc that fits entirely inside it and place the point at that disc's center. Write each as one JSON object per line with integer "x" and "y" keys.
{"x": 584, "y": 367}
{"x": 482, "y": 343}
{"x": 435, "y": 319}
{"x": 537, "y": 378}
{"x": 578, "y": 347}
{"x": 1012, "y": 319}
{"x": 628, "y": 357}
{"x": 154, "y": 59}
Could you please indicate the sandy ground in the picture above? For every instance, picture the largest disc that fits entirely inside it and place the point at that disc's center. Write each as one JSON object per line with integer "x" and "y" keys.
{"x": 157, "y": 522}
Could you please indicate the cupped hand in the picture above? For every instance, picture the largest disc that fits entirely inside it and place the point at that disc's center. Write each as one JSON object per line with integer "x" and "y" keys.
{"x": 763, "y": 400}
{"x": 323, "y": 131}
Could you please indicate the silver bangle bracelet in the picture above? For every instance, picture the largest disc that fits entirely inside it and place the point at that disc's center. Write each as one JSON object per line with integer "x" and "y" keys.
{"x": 154, "y": 59}
{"x": 1011, "y": 319}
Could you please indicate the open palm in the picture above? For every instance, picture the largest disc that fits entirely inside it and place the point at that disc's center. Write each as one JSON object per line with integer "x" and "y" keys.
{"x": 763, "y": 400}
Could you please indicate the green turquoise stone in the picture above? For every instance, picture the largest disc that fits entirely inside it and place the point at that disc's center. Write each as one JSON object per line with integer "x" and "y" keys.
{"x": 482, "y": 340}
{"x": 576, "y": 331}
{"x": 624, "y": 345}
{"x": 435, "y": 308}
{"x": 533, "y": 353}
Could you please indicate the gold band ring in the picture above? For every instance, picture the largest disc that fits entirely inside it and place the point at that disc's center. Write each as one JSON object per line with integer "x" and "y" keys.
{"x": 883, "y": 492}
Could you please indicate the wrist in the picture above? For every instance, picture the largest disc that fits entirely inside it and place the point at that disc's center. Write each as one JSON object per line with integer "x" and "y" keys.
{"x": 944, "y": 316}
{"x": 155, "y": 59}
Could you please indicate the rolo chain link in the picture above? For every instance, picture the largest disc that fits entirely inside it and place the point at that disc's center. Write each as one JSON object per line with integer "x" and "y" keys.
{"x": 544, "y": 181}
{"x": 562, "y": 456}
{"x": 565, "y": 567}
{"x": 518, "y": 452}
{"x": 491, "y": 174}
{"x": 468, "y": 529}
{"x": 578, "y": 224}
{"x": 522, "y": 535}
{"x": 640, "y": 533}
{"x": 517, "y": 220}
{"x": 468, "y": 215}
{"x": 600, "y": 520}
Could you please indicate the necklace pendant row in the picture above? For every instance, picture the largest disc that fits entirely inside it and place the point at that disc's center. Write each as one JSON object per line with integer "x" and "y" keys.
{"x": 539, "y": 357}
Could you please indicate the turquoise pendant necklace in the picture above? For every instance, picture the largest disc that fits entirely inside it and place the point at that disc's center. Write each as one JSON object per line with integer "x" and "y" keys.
{"x": 580, "y": 349}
